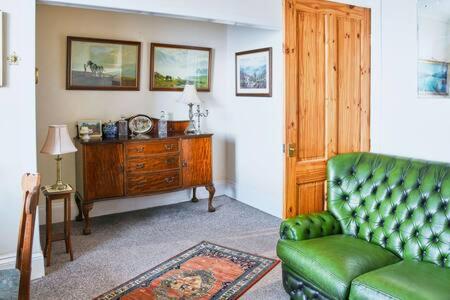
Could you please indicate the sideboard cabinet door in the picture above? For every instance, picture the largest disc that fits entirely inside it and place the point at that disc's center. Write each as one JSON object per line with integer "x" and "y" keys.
{"x": 104, "y": 171}
{"x": 196, "y": 161}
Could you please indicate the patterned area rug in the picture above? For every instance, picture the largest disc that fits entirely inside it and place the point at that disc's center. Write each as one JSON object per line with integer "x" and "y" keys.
{"x": 205, "y": 271}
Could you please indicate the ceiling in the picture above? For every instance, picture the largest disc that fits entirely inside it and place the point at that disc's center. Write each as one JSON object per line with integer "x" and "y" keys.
{"x": 437, "y": 9}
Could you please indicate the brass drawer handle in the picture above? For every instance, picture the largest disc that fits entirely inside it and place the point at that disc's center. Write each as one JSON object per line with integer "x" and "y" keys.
{"x": 169, "y": 146}
{"x": 140, "y": 149}
{"x": 169, "y": 179}
{"x": 140, "y": 166}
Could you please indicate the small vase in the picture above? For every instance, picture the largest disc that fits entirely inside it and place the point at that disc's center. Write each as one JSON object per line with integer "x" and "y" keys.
{"x": 110, "y": 130}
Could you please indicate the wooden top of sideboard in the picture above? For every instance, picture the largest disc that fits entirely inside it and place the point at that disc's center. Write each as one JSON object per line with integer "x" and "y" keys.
{"x": 142, "y": 138}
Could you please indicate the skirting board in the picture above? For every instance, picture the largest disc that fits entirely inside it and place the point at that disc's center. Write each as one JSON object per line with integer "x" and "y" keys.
{"x": 129, "y": 204}
{"x": 8, "y": 261}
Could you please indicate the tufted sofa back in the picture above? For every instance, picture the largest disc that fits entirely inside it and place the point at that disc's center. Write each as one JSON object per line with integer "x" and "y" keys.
{"x": 400, "y": 204}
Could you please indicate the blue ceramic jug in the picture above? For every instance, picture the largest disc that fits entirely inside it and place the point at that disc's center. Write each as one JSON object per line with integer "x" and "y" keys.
{"x": 110, "y": 129}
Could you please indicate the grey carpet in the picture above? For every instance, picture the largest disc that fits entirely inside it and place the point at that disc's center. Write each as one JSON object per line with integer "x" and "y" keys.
{"x": 122, "y": 246}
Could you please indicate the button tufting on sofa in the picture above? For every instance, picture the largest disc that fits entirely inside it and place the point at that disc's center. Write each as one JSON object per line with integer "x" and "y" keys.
{"x": 398, "y": 204}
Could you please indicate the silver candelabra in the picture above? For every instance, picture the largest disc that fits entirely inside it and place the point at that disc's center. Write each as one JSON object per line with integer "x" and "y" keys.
{"x": 200, "y": 114}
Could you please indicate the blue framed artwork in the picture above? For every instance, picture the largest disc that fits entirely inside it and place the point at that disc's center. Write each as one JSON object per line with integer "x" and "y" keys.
{"x": 432, "y": 78}
{"x": 254, "y": 73}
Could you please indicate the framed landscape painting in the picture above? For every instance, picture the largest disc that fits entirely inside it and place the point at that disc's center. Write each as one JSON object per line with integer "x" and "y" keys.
{"x": 99, "y": 64}
{"x": 432, "y": 78}
{"x": 172, "y": 66}
{"x": 94, "y": 125}
{"x": 254, "y": 73}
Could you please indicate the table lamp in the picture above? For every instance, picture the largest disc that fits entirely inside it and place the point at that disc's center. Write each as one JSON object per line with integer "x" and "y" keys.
{"x": 58, "y": 142}
{"x": 190, "y": 97}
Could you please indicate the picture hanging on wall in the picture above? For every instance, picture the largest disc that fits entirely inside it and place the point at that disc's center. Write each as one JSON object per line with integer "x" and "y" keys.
{"x": 432, "y": 78}
{"x": 172, "y": 66}
{"x": 433, "y": 44}
{"x": 99, "y": 64}
{"x": 254, "y": 73}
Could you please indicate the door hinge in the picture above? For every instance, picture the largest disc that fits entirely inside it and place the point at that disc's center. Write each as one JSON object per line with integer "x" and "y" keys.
{"x": 286, "y": 49}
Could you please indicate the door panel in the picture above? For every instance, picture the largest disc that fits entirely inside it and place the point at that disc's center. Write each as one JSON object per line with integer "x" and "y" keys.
{"x": 349, "y": 84}
{"x": 327, "y": 47}
{"x": 311, "y": 81}
{"x": 307, "y": 195}
{"x": 104, "y": 171}
{"x": 196, "y": 161}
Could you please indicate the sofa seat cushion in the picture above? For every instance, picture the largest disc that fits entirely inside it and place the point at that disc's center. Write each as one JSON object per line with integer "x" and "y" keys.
{"x": 332, "y": 262}
{"x": 408, "y": 279}
{"x": 9, "y": 284}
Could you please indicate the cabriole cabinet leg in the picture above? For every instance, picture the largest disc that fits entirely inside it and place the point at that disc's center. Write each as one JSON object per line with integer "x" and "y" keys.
{"x": 212, "y": 190}
{"x": 194, "y": 196}
{"x": 79, "y": 217}
{"x": 87, "y": 221}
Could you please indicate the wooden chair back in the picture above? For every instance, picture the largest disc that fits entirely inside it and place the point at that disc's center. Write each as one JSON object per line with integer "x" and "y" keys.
{"x": 30, "y": 189}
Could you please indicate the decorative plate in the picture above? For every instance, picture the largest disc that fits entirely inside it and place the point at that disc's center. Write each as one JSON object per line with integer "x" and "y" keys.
{"x": 140, "y": 124}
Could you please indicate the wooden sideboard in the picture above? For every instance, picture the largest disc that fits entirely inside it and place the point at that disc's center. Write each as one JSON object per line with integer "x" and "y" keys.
{"x": 146, "y": 165}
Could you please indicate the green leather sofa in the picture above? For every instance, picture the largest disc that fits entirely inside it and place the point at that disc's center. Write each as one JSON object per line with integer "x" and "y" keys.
{"x": 386, "y": 234}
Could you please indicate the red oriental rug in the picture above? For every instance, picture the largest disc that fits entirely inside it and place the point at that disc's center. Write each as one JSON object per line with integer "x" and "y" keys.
{"x": 205, "y": 271}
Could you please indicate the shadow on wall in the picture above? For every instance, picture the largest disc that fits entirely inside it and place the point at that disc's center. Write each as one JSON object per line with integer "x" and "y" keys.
{"x": 230, "y": 167}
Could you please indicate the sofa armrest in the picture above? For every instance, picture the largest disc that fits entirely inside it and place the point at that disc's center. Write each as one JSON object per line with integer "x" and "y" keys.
{"x": 304, "y": 227}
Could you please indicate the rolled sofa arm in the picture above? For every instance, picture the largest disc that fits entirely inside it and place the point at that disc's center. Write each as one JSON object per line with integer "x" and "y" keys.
{"x": 304, "y": 227}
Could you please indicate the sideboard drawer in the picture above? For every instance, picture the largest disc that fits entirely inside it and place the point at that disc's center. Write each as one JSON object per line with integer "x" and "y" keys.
{"x": 141, "y": 149}
{"x": 147, "y": 183}
{"x": 153, "y": 163}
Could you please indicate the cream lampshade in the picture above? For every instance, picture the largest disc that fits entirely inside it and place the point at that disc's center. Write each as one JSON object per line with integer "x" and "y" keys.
{"x": 58, "y": 142}
{"x": 190, "y": 97}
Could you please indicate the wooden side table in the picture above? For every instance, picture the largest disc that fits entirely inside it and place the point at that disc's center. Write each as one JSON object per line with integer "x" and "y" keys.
{"x": 51, "y": 195}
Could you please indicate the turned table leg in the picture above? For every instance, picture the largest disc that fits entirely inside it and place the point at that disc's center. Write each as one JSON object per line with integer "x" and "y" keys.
{"x": 67, "y": 226}
{"x": 212, "y": 190}
{"x": 194, "y": 196}
{"x": 48, "y": 226}
{"x": 79, "y": 217}
{"x": 87, "y": 207}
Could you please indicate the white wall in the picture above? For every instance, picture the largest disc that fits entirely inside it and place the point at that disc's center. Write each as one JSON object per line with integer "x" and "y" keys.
{"x": 256, "y": 128}
{"x": 260, "y": 13}
{"x": 403, "y": 123}
{"x": 56, "y": 105}
{"x": 18, "y": 123}
{"x": 434, "y": 38}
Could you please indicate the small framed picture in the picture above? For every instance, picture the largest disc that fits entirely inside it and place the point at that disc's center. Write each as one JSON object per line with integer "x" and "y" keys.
{"x": 432, "y": 78}
{"x": 254, "y": 73}
{"x": 94, "y": 125}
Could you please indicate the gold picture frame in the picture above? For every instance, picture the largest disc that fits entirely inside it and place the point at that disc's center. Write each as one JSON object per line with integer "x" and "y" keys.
{"x": 94, "y": 125}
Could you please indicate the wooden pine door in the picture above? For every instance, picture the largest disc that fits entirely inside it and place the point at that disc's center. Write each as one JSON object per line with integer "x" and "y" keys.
{"x": 327, "y": 59}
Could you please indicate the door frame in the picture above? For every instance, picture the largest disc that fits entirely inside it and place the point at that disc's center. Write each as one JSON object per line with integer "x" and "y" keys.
{"x": 375, "y": 80}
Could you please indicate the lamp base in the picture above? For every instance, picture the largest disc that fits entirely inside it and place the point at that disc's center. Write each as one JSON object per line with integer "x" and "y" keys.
{"x": 60, "y": 187}
{"x": 191, "y": 128}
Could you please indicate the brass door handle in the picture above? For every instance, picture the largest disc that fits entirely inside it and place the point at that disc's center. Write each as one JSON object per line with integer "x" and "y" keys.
{"x": 184, "y": 164}
{"x": 169, "y": 146}
{"x": 292, "y": 150}
{"x": 140, "y": 149}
